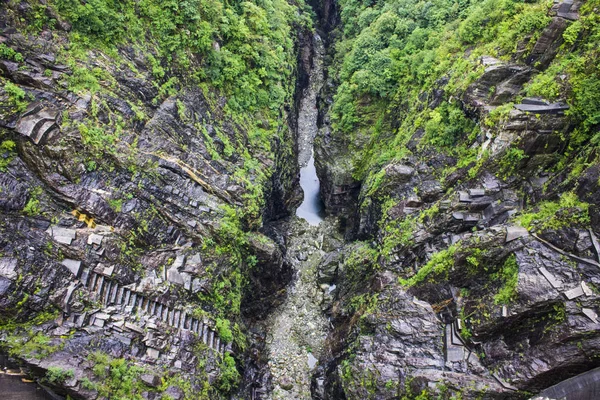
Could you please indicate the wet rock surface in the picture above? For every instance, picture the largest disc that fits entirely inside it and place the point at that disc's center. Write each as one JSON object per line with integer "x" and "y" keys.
{"x": 124, "y": 254}
{"x": 452, "y": 331}
{"x": 296, "y": 330}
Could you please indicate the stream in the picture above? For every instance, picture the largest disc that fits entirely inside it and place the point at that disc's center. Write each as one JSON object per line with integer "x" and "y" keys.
{"x": 312, "y": 208}
{"x": 297, "y": 328}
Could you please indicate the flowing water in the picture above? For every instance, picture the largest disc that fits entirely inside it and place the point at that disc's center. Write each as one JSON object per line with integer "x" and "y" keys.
{"x": 311, "y": 208}
{"x": 297, "y": 328}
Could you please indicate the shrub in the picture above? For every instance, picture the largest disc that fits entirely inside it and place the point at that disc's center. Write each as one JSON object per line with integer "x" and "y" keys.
{"x": 16, "y": 96}
{"x": 509, "y": 275}
{"x": 567, "y": 211}
{"x": 224, "y": 330}
{"x": 32, "y": 208}
{"x": 229, "y": 377}
{"x": 57, "y": 375}
{"x": 10, "y": 54}
{"x": 440, "y": 264}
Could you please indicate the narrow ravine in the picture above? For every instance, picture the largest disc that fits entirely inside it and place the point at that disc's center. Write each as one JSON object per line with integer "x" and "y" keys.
{"x": 311, "y": 208}
{"x": 298, "y": 328}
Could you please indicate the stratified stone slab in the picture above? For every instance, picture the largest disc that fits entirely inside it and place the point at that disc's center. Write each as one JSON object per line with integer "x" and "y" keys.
{"x": 515, "y": 232}
{"x": 586, "y": 289}
{"x": 421, "y": 303}
{"x": 503, "y": 382}
{"x": 477, "y": 192}
{"x": 95, "y": 239}
{"x": 464, "y": 197}
{"x": 7, "y": 267}
{"x": 556, "y": 284}
{"x": 73, "y": 265}
{"x": 574, "y": 293}
{"x": 152, "y": 353}
{"x": 591, "y": 314}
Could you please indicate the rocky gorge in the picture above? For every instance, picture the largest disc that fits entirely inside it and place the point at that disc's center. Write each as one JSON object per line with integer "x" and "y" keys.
{"x": 280, "y": 200}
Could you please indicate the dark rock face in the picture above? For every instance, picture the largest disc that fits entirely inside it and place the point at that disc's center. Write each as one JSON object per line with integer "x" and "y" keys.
{"x": 114, "y": 205}
{"x": 460, "y": 329}
{"x": 499, "y": 83}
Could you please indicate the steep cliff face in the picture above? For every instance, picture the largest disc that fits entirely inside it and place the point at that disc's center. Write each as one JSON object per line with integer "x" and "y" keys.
{"x": 460, "y": 145}
{"x": 144, "y": 145}
{"x": 148, "y": 150}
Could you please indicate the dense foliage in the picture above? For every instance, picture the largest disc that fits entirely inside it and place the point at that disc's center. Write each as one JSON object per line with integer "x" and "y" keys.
{"x": 240, "y": 56}
{"x": 390, "y": 55}
{"x": 391, "y": 52}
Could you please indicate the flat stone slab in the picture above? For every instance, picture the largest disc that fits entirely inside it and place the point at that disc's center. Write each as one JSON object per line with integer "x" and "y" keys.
{"x": 554, "y": 108}
{"x": 455, "y": 353}
{"x": 556, "y": 284}
{"x": 73, "y": 265}
{"x": 477, "y": 192}
{"x": 586, "y": 289}
{"x": 57, "y": 231}
{"x": 152, "y": 353}
{"x": 591, "y": 314}
{"x": 175, "y": 277}
{"x": 63, "y": 239}
{"x": 515, "y": 232}
{"x": 67, "y": 299}
{"x": 95, "y": 239}
{"x": 179, "y": 262}
{"x": 489, "y": 61}
{"x": 102, "y": 316}
{"x": 574, "y": 293}
{"x": 133, "y": 327}
{"x": 104, "y": 270}
{"x": 472, "y": 217}
{"x": 7, "y": 267}
{"x": 464, "y": 197}
{"x": 457, "y": 215}
{"x": 534, "y": 101}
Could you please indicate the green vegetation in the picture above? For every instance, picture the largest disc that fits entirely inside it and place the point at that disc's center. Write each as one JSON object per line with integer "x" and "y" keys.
{"x": 224, "y": 330}
{"x": 116, "y": 377}
{"x": 567, "y": 211}
{"x": 229, "y": 377}
{"x": 7, "y": 153}
{"x": 243, "y": 49}
{"x": 32, "y": 208}
{"x": 395, "y": 50}
{"x": 22, "y": 339}
{"x": 439, "y": 264}
{"x": 509, "y": 276}
{"x": 17, "y": 97}
{"x": 10, "y": 54}
{"x": 57, "y": 375}
{"x": 509, "y": 163}
{"x": 397, "y": 232}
